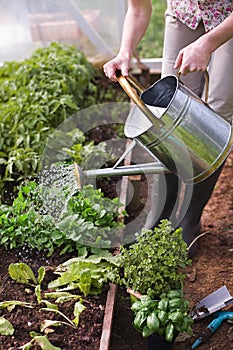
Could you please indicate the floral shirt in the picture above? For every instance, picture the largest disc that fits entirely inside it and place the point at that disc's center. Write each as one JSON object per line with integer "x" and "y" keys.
{"x": 211, "y": 12}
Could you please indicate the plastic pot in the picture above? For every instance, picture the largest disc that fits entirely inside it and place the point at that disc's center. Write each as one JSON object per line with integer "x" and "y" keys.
{"x": 158, "y": 342}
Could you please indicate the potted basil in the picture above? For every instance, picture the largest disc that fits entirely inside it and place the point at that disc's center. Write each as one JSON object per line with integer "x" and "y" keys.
{"x": 163, "y": 319}
{"x": 153, "y": 268}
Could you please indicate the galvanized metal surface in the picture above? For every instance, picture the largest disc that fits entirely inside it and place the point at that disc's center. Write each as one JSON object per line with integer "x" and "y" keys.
{"x": 191, "y": 141}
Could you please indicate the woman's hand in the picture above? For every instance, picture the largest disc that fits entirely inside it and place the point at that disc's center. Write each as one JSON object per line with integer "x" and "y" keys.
{"x": 193, "y": 58}
{"x": 117, "y": 63}
{"x": 196, "y": 56}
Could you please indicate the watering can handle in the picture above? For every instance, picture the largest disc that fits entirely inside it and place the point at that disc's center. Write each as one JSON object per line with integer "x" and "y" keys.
{"x": 207, "y": 79}
{"x": 127, "y": 83}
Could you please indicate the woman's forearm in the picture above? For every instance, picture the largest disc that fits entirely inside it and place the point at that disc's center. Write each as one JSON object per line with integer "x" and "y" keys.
{"x": 220, "y": 34}
{"x": 136, "y": 23}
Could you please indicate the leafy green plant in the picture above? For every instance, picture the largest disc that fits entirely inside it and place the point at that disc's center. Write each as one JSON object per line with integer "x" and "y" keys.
{"x": 89, "y": 217}
{"x": 40, "y": 341}
{"x": 87, "y": 273}
{"x": 22, "y": 273}
{"x": 153, "y": 265}
{"x": 22, "y": 224}
{"x": 36, "y": 95}
{"x": 73, "y": 146}
{"x": 166, "y": 317}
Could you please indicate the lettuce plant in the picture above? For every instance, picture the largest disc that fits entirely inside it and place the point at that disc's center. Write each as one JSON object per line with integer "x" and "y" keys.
{"x": 89, "y": 217}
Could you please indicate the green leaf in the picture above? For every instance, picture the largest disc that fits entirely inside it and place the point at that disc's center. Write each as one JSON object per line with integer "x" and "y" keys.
{"x": 38, "y": 293}
{"x": 78, "y": 309}
{"x": 140, "y": 319}
{"x": 44, "y": 343}
{"x": 146, "y": 332}
{"x": 169, "y": 334}
{"x": 6, "y": 328}
{"x": 59, "y": 313}
{"x": 152, "y": 321}
{"x": 61, "y": 297}
{"x": 136, "y": 306}
{"x": 10, "y": 305}
{"x": 82, "y": 252}
{"x": 22, "y": 273}
{"x": 49, "y": 305}
{"x": 68, "y": 101}
{"x": 3, "y": 161}
{"x": 71, "y": 275}
{"x": 85, "y": 282}
{"x": 41, "y": 274}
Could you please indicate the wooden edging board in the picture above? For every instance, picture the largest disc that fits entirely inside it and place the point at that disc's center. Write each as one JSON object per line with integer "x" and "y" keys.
{"x": 108, "y": 317}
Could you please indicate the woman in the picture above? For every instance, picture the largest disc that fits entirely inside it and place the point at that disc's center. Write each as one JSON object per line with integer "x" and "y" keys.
{"x": 198, "y": 34}
{"x": 193, "y": 33}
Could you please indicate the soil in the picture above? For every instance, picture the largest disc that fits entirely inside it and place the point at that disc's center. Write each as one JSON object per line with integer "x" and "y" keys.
{"x": 86, "y": 336}
{"x": 211, "y": 268}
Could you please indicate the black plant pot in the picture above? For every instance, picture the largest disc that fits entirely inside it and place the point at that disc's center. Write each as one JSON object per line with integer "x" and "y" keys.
{"x": 158, "y": 342}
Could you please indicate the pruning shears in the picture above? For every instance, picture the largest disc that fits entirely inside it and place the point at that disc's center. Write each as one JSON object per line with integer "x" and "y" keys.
{"x": 220, "y": 316}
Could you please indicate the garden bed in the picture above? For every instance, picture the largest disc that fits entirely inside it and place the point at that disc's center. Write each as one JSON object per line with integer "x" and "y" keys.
{"x": 86, "y": 336}
{"x": 211, "y": 268}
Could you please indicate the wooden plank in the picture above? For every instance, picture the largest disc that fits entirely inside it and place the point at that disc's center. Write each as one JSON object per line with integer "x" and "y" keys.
{"x": 55, "y": 30}
{"x": 108, "y": 317}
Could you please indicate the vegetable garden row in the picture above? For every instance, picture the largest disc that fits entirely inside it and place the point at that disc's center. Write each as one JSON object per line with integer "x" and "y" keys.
{"x": 36, "y": 97}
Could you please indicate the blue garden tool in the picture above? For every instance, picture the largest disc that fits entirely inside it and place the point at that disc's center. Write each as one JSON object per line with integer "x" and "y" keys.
{"x": 213, "y": 326}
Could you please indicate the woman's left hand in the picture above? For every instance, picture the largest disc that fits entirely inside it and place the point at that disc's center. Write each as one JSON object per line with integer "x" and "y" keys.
{"x": 193, "y": 58}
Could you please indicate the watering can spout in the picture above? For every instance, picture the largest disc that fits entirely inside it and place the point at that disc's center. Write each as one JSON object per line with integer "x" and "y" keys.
{"x": 82, "y": 176}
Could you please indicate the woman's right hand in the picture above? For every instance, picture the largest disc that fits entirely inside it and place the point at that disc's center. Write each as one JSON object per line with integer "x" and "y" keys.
{"x": 118, "y": 63}
{"x": 136, "y": 21}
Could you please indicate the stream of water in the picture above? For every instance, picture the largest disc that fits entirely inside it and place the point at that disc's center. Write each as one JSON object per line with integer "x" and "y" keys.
{"x": 58, "y": 184}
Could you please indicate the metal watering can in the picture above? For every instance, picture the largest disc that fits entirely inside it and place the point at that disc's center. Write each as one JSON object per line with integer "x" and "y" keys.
{"x": 176, "y": 127}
